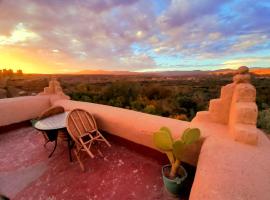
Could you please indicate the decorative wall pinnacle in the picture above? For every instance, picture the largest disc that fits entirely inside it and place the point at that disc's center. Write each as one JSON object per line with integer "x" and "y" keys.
{"x": 54, "y": 88}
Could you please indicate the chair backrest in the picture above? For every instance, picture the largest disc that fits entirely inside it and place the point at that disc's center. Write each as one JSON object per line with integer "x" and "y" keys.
{"x": 51, "y": 111}
{"x": 80, "y": 122}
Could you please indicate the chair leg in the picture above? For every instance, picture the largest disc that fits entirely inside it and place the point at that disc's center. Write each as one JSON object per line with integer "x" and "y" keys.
{"x": 109, "y": 145}
{"x": 89, "y": 152}
{"x": 100, "y": 153}
{"x": 77, "y": 154}
{"x": 86, "y": 149}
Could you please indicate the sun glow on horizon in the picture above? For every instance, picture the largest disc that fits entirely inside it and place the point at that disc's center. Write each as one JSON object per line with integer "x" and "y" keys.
{"x": 28, "y": 61}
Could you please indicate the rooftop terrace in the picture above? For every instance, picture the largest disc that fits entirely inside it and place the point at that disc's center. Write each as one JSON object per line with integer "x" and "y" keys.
{"x": 123, "y": 173}
{"x": 232, "y": 161}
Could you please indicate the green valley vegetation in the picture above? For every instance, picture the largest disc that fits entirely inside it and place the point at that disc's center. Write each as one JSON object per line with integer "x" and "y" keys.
{"x": 178, "y": 98}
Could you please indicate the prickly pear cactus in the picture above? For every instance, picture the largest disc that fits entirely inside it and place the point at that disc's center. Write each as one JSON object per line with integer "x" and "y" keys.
{"x": 163, "y": 139}
{"x": 174, "y": 149}
{"x": 191, "y": 135}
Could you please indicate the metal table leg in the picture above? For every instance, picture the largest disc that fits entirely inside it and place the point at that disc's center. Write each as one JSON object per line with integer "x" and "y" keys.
{"x": 69, "y": 147}
{"x": 52, "y": 136}
{"x": 55, "y": 144}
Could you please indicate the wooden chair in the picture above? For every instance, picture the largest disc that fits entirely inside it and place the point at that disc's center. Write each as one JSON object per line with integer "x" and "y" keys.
{"x": 82, "y": 128}
{"x": 47, "y": 113}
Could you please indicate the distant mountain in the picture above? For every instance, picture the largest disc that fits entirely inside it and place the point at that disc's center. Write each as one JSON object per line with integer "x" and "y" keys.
{"x": 154, "y": 73}
{"x": 105, "y": 72}
{"x": 222, "y": 71}
{"x": 257, "y": 71}
{"x": 178, "y": 73}
{"x": 260, "y": 71}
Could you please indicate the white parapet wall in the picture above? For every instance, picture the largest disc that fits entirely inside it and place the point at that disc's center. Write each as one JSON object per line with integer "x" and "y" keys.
{"x": 19, "y": 109}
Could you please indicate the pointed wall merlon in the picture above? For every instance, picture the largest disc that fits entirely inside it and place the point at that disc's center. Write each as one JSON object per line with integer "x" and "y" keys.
{"x": 55, "y": 91}
{"x": 245, "y": 133}
{"x": 244, "y": 111}
{"x": 236, "y": 108}
{"x": 219, "y": 109}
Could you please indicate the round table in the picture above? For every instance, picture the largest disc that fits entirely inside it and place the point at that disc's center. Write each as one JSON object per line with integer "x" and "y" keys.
{"x": 54, "y": 122}
{"x": 51, "y": 125}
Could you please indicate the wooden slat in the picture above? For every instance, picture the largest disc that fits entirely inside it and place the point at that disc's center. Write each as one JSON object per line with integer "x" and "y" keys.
{"x": 78, "y": 113}
{"x": 90, "y": 121}
{"x": 94, "y": 121}
{"x": 79, "y": 131}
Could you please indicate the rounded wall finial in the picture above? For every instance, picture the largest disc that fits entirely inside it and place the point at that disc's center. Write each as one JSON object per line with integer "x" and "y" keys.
{"x": 242, "y": 75}
{"x": 243, "y": 70}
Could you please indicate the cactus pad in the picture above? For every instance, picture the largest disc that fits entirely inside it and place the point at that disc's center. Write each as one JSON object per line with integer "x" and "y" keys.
{"x": 164, "y": 128}
{"x": 178, "y": 149}
{"x": 163, "y": 140}
{"x": 191, "y": 135}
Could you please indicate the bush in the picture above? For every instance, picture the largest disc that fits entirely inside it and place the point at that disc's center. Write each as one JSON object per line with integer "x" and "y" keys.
{"x": 264, "y": 120}
{"x": 151, "y": 109}
{"x": 156, "y": 92}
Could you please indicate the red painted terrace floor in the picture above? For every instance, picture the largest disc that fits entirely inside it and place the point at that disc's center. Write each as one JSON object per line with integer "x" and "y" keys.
{"x": 27, "y": 173}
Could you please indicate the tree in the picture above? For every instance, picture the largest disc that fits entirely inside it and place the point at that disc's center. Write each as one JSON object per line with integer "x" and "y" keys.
{"x": 19, "y": 72}
{"x": 186, "y": 105}
{"x": 7, "y": 72}
{"x": 264, "y": 120}
{"x": 10, "y": 72}
{"x": 151, "y": 109}
{"x": 121, "y": 94}
{"x": 156, "y": 92}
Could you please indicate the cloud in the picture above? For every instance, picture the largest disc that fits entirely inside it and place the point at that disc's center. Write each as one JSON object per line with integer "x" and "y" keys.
{"x": 212, "y": 29}
{"x": 19, "y": 35}
{"x": 251, "y": 61}
{"x": 185, "y": 11}
{"x": 102, "y": 34}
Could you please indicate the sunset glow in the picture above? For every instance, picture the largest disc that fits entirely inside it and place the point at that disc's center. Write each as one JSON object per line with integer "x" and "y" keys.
{"x": 135, "y": 35}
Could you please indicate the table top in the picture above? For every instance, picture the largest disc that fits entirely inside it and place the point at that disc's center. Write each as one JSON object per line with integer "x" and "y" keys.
{"x": 53, "y": 122}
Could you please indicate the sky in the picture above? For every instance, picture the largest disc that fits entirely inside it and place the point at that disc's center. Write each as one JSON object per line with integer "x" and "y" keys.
{"x": 63, "y": 36}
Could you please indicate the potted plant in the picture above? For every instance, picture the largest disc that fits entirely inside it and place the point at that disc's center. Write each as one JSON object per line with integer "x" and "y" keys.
{"x": 174, "y": 174}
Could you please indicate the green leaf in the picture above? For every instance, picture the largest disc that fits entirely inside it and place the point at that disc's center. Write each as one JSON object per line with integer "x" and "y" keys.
{"x": 178, "y": 149}
{"x": 191, "y": 135}
{"x": 163, "y": 140}
{"x": 185, "y": 131}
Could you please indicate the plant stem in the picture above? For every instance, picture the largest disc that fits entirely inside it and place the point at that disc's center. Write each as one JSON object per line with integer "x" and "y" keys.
{"x": 170, "y": 157}
{"x": 174, "y": 169}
